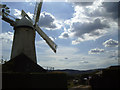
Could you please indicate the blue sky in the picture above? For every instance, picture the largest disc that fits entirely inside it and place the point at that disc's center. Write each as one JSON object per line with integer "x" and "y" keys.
{"x": 86, "y": 33}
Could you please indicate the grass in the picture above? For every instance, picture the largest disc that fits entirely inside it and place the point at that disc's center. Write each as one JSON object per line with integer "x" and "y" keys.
{"x": 34, "y": 80}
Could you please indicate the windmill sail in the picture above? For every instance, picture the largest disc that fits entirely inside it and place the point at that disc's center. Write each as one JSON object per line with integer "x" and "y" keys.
{"x": 37, "y": 11}
{"x": 23, "y": 14}
{"x": 52, "y": 45}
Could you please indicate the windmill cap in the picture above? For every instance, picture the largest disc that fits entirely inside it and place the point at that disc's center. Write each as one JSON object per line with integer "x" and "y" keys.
{"x": 24, "y": 22}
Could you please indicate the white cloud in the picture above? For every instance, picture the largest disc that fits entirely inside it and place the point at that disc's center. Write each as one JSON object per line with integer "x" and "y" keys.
{"x": 30, "y": 15}
{"x": 96, "y": 4}
{"x": 84, "y": 61}
{"x": 111, "y": 43}
{"x": 91, "y": 21}
{"x": 27, "y": 0}
{"x": 82, "y": 3}
{"x": 89, "y": 36}
{"x": 17, "y": 13}
{"x": 6, "y": 37}
{"x": 48, "y": 21}
{"x": 64, "y": 35}
{"x": 112, "y": 54}
{"x": 96, "y": 51}
{"x": 40, "y": 44}
{"x": 6, "y": 44}
{"x": 77, "y": 41}
{"x": 30, "y": 0}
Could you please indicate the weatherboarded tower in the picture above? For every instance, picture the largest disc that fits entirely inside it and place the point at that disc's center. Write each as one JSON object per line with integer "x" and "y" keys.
{"x": 24, "y": 39}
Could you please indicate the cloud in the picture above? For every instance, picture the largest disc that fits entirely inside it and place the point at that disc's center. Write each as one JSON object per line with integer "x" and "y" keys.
{"x": 6, "y": 37}
{"x": 89, "y": 36}
{"x": 99, "y": 8}
{"x": 17, "y": 13}
{"x": 30, "y": 15}
{"x": 84, "y": 61}
{"x": 48, "y": 21}
{"x": 88, "y": 27}
{"x": 30, "y": 0}
{"x": 112, "y": 9}
{"x": 112, "y": 54}
{"x": 107, "y": 10}
{"x": 64, "y": 35}
{"x": 91, "y": 20}
{"x": 111, "y": 43}
{"x": 96, "y": 51}
{"x": 83, "y": 3}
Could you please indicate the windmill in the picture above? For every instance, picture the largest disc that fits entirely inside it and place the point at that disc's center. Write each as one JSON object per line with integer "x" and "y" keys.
{"x": 25, "y": 31}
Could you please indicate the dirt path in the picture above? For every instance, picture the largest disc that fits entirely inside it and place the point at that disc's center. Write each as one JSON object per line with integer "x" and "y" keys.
{"x": 81, "y": 87}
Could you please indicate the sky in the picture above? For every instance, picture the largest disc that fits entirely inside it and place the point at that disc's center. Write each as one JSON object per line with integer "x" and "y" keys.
{"x": 86, "y": 33}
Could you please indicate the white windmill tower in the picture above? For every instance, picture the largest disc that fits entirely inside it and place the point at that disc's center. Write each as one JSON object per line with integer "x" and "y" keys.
{"x": 24, "y": 34}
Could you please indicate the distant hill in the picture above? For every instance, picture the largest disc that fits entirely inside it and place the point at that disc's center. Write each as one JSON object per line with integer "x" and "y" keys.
{"x": 75, "y": 72}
